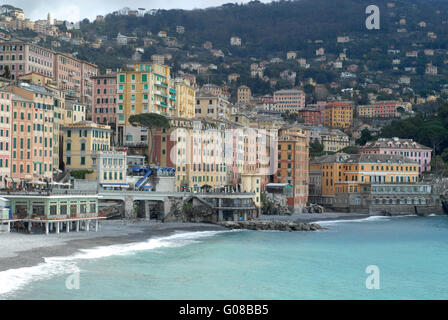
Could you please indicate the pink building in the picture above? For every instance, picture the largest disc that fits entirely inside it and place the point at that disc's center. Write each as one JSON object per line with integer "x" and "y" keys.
{"x": 5, "y": 137}
{"x": 22, "y": 58}
{"x": 88, "y": 71}
{"x": 289, "y": 100}
{"x": 387, "y": 109}
{"x": 68, "y": 74}
{"x": 404, "y": 147}
{"x": 104, "y": 99}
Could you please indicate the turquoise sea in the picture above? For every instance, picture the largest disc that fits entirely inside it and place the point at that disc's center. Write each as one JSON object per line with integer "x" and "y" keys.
{"x": 411, "y": 254}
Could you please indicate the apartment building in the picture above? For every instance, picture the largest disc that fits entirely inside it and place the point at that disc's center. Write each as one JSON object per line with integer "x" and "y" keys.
{"x": 293, "y": 163}
{"x": 339, "y": 114}
{"x": 244, "y": 95}
{"x": 311, "y": 116}
{"x": 291, "y": 100}
{"x": 87, "y": 149}
{"x": 211, "y": 106}
{"x": 104, "y": 108}
{"x": 185, "y": 99}
{"x": 22, "y": 58}
{"x": 404, "y": 147}
{"x": 32, "y": 133}
{"x": 334, "y": 140}
{"x": 146, "y": 89}
{"x": 350, "y": 174}
{"x": 5, "y": 136}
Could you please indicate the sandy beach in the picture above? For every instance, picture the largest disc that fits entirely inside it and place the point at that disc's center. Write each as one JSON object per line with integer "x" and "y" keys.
{"x": 23, "y": 250}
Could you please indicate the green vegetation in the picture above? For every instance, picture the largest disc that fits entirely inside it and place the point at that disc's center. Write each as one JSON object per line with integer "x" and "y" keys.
{"x": 80, "y": 174}
{"x": 150, "y": 121}
{"x": 365, "y": 137}
{"x": 351, "y": 150}
{"x": 431, "y": 131}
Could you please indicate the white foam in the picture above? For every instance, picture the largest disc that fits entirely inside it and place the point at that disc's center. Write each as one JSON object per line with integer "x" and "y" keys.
{"x": 15, "y": 279}
{"x": 368, "y": 219}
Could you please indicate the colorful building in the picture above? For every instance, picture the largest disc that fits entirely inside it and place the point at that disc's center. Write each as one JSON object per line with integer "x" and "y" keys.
{"x": 87, "y": 149}
{"x": 347, "y": 174}
{"x": 5, "y": 136}
{"x": 311, "y": 116}
{"x": 185, "y": 99}
{"x": 22, "y": 58}
{"x": 334, "y": 140}
{"x": 293, "y": 163}
{"x": 404, "y": 147}
{"x": 291, "y": 100}
{"x": 244, "y": 95}
{"x": 211, "y": 106}
{"x": 104, "y": 99}
{"x": 146, "y": 89}
{"x": 339, "y": 114}
{"x": 33, "y": 139}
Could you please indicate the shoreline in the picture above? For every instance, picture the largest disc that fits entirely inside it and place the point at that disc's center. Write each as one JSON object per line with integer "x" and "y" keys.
{"x": 23, "y": 250}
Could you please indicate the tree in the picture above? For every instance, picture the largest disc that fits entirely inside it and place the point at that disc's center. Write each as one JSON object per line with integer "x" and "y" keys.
{"x": 316, "y": 148}
{"x": 80, "y": 174}
{"x": 351, "y": 150}
{"x": 365, "y": 137}
{"x": 150, "y": 121}
{"x": 7, "y": 73}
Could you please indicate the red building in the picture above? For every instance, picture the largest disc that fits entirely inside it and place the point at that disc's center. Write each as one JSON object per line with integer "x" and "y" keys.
{"x": 311, "y": 116}
{"x": 105, "y": 101}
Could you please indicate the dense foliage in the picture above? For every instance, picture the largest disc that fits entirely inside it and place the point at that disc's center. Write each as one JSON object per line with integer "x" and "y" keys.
{"x": 431, "y": 131}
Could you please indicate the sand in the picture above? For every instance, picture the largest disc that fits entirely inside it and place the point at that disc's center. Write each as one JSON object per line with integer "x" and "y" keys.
{"x": 19, "y": 250}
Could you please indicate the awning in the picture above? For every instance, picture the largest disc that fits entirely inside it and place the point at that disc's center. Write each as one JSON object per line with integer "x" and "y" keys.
{"x": 115, "y": 185}
{"x": 38, "y": 182}
{"x": 278, "y": 185}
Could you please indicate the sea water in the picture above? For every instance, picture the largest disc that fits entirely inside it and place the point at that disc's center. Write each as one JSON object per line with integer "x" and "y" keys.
{"x": 410, "y": 256}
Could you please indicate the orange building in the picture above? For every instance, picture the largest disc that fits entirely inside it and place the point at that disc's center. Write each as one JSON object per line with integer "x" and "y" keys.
{"x": 32, "y": 133}
{"x": 338, "y": 114}
{"x": 293, "y": 162}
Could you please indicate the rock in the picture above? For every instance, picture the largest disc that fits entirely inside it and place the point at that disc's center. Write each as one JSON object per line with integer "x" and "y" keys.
{"x": 271, "y": 225}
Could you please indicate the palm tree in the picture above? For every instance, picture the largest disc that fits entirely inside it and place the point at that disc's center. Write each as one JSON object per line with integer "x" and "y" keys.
{"x": 150, "y": 121}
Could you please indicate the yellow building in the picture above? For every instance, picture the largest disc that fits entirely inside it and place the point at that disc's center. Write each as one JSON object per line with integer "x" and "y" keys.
{"x": 87, "y": 148}
{"x": 185, "y": 99}
{"x": 347, "y": 174}
{"x": 36, "y": 78}
{"x": 74, "y": 112}
{"x": 334, "y": 141}
{"x": 211, "y": 106}
{"x": 244, "y": 95}
{"x": 146, "y": 89}
{"x": 366, "y": 111}
{"x": 338, "y": 114}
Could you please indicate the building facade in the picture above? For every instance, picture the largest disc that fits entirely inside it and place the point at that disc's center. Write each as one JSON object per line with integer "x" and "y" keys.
{"x": 339, "y": 114}
{"x": 289, "y": 100}
{"x": 404, "y": 147}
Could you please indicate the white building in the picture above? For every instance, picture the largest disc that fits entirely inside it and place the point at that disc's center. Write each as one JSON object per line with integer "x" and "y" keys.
{"x": 235, "y": 41}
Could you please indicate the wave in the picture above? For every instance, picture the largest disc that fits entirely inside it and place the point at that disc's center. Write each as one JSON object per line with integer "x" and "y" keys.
{"x": 368, "y": 219}
{"x": 15, "y": 279}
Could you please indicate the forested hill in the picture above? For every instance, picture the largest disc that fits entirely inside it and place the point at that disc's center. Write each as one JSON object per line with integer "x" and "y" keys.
{"x": 281, "y": 25}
